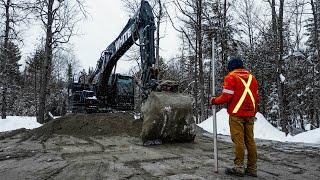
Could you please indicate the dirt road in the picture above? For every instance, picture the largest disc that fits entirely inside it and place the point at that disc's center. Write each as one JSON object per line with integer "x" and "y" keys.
{"x": 122, "y": 156}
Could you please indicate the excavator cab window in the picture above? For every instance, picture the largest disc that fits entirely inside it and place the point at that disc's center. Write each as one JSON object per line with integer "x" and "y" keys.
{"x": 89, "y": 94}
{"x": 121, "y": 89}
{"x": 76, "y": 97}
{"x": 125, "y": 86}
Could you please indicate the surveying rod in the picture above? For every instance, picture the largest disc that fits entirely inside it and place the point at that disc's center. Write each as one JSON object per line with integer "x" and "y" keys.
{"x": 214, "y": 119}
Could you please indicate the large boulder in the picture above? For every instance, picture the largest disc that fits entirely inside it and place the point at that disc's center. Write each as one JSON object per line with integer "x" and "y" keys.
{"x": 167, "y": 117}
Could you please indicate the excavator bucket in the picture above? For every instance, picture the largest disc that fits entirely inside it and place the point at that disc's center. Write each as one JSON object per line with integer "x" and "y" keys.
{"x": 167, "y": 117}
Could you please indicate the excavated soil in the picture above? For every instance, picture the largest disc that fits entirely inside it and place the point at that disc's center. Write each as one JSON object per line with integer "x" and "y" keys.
{"x": 86, "y": 125}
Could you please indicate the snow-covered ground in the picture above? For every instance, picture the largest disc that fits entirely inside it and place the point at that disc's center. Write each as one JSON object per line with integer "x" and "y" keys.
{"x": 17, "y": 122}
{"x": 262, "y": 129}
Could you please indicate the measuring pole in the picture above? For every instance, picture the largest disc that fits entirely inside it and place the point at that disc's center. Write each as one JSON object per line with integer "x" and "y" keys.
{"x": 214, "y": 119}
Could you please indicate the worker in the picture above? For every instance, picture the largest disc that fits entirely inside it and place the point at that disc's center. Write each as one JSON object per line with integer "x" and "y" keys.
{"x": 240, "y": 93}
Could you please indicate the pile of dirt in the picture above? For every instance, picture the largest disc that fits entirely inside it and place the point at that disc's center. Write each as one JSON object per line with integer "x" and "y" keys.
{"x": 109, "y": 124}
{"x": 9, "y": 134}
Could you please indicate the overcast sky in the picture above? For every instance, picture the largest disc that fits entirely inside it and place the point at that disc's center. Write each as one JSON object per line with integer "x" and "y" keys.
{"x": 107, "y": 19}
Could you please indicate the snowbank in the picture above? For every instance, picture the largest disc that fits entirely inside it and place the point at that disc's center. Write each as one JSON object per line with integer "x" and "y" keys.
{"x": 17, "y": 122}
{"x": 262, "y": 129}
{"x": 312, "y": 136}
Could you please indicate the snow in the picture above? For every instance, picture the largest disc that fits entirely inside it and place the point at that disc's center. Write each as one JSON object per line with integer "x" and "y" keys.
{"x": 17, "y": 122}
{"x": 262, "y": 129}
{"x": 282, "y": 78}
{"x": 298, "y": 54}
{"x": 307, "y": 127}
{"x": 294, "y": 54}
{"x": 92, "y": 98}
{"x": 312, "y": 136}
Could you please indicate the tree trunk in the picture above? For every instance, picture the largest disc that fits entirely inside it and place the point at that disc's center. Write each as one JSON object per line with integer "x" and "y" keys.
{"x": 302, "y": 121}
{"x": 318, "y": 121}
{"x": 4, "y": 102}
{"x": 200, "y": 63}
{"x": 316, "y": 28}
{"x": 314, "y": 76}
{"x": 46, "y": 65}
{"x": 263, "y": 102}
{"x": 283, "y": 117}
{"x": 158, "y": 35}
{"x": 224, "y": 40}
{"x": 195, "y": 89}
{"x": 277, "y": 28}
{"x": 5, "y": 47}
{"x": 274, "y": 26}
{"x": 35, "y": 89}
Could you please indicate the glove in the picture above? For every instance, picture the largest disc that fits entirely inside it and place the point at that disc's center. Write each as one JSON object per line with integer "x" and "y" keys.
{"x": 212, "y": 100}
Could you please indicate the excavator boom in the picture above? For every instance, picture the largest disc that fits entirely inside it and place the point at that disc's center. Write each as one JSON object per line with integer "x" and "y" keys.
{"x": 140, "y": 27}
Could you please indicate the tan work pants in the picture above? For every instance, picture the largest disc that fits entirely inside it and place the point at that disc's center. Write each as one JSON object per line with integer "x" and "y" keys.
{"x": 241, "y": 129}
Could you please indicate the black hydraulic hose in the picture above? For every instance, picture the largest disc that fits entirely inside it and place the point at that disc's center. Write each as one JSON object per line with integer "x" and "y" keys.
{"x": 132, "y": 34}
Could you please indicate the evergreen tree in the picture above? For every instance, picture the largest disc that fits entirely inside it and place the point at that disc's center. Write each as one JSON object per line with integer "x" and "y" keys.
{"x": 28, "y": 103}
{"x": 313, "y": 86}
{"x": 10, "y": 75}
{"x": 273, "y": 107}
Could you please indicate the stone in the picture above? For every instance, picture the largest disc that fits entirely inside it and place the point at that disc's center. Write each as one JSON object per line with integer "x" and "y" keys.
{"x": 167, "y": 117}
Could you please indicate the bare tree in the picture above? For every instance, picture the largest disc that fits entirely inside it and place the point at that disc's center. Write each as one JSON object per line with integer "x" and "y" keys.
{"x": 247, "y": 14}
{"x": 191, "y": 18}
{"x": 59, "y": 19}
{"x": 224, "y": 39}
{"x": 131, "y": 6}
{"x": 199, "y": 46}
{"x": 159, "y": 11}
{"x": 298, "y": 13}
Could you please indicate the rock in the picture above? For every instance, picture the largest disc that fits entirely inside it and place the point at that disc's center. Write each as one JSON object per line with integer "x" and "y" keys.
{"x": 167, "y": 117}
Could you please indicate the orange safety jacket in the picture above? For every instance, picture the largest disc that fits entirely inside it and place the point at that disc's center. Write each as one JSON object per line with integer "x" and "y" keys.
{"x": 240, "y": 93}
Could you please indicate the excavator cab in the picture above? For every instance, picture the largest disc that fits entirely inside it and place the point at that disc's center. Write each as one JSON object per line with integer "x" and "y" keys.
{"x": 121, "y": 92}
{"x": 81, "y": 99}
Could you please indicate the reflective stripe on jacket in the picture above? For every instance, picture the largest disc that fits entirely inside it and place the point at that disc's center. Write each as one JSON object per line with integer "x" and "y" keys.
{"x": 240, "y": 93}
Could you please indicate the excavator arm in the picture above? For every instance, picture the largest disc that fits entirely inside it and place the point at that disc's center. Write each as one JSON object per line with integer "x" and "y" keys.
{"x": 140, "y": 27}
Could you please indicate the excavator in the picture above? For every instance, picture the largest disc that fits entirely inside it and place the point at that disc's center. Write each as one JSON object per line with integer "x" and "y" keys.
{"x": 166, "y": 113}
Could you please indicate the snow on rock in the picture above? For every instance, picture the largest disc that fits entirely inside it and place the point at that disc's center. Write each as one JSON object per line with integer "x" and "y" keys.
{"x": 17, "y": 122}
{"x": 262, "y": 129}
{"x": 298, "y": 54}
{"x": 307, "y": 127}
{"x": 282, "y": 78}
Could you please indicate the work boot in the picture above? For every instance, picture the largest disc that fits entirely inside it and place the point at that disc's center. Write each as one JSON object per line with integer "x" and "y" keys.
{"x": 237, "y": 171}
{"x": 250, "y": 172}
